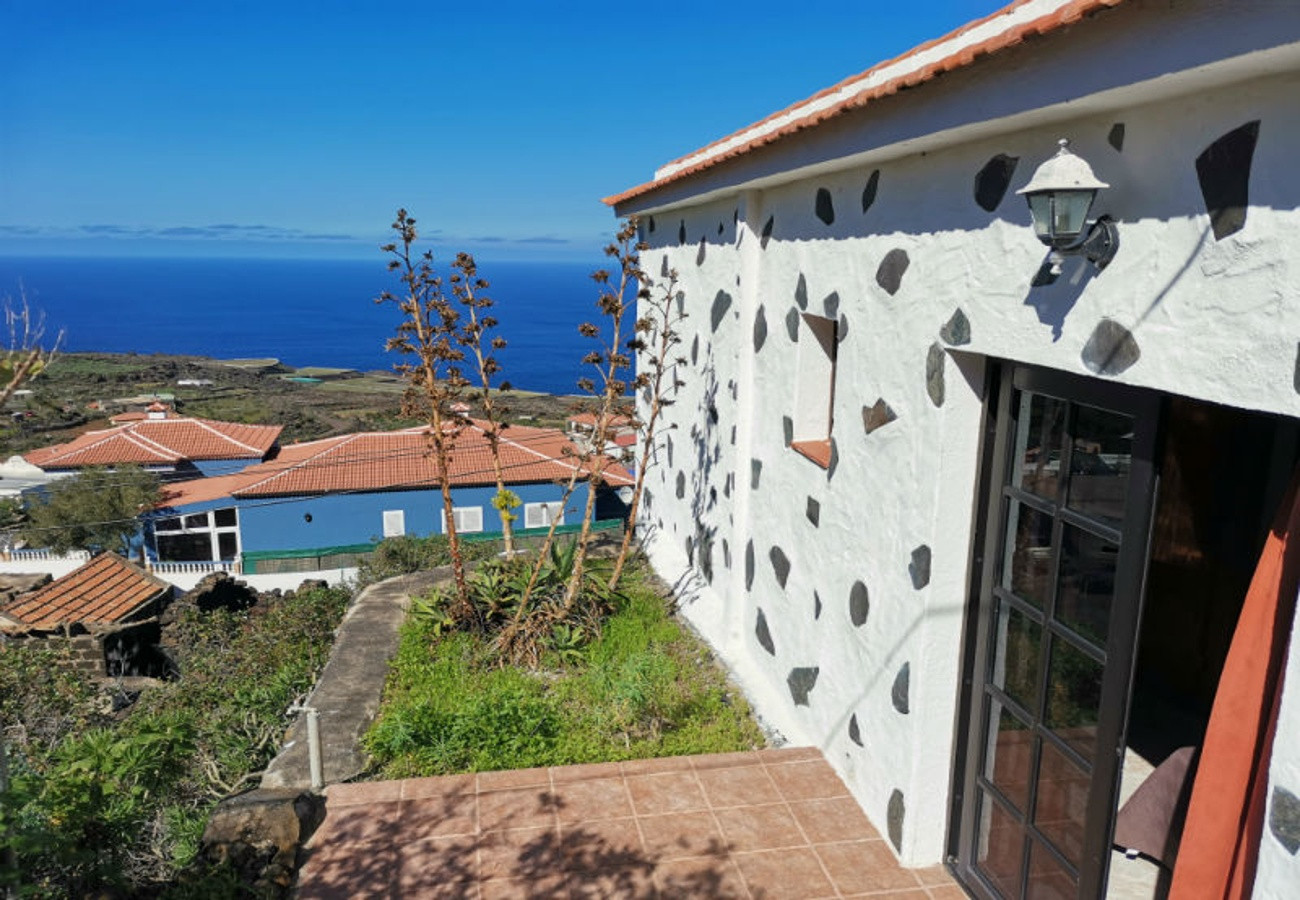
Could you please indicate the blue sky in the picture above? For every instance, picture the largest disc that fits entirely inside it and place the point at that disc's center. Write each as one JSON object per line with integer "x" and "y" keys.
{"x": 297, "y": 129}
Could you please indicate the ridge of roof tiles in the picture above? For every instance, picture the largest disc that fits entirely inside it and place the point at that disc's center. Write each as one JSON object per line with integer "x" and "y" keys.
{"x": 159, "y": 441}
{"x": 1025, "y": 19}
{"x": 104, "y": 591}
{"x": 391, "y": 460}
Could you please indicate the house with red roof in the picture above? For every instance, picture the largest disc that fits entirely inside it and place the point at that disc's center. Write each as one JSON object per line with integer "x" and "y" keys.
{"x": 176, "y": 447}
{"x": 338, "y": 496}
{"x": 982, "y": 475}
{"x": 107, "y": 608}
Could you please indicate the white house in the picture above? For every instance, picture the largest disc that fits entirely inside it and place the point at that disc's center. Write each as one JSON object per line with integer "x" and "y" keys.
{"x": 981, "y": 531}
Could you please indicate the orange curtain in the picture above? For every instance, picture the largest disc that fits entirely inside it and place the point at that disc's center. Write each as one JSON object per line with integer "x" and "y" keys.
{"x": 1225, "y": 817}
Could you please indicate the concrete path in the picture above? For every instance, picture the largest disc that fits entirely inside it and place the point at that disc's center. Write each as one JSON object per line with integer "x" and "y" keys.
{"x": 348, "y": 693}
{"x": 771, "y": 824}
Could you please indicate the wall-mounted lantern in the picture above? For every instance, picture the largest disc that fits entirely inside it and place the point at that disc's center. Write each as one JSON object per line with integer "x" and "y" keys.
{"x": 1060, "y": 195}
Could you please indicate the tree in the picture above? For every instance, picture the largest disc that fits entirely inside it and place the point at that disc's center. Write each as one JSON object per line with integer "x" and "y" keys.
{"x": 96, "y": 510}
{"x": 25, "y": 357}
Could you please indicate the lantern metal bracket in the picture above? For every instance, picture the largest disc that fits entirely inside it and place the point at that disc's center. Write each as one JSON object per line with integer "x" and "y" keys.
{"x": 1099, "y": 245}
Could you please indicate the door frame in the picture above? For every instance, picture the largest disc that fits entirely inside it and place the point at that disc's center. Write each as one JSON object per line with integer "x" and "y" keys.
{"x": 1146, "y": 408}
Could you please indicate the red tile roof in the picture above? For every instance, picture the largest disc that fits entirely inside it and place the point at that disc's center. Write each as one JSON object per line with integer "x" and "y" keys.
{"x": 159, "y": 442}
{"x": 104, "y": 591}
{"x": 917, "y": 66}
{"x": 390, "y": 460}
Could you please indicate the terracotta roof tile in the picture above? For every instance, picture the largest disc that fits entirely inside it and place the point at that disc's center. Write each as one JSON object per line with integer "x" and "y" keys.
{"x": 392, "y": 460}
{"x": 159, "y": 442}
{"x": 106, "y": 590}
{"x": 873, "y": 84}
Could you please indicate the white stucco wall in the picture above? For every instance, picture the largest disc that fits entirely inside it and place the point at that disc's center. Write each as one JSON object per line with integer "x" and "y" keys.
{"x": 1213, "y": 319}
{"x": 1278, "y": 874}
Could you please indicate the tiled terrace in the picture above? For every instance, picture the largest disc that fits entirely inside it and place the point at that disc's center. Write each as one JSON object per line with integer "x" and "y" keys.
{"x": 769, "y": 824}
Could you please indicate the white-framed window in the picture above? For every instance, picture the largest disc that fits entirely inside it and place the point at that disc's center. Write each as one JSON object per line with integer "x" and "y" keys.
{"x": 468, "y": 519}
{"x": 540, "y": 515}
{"x": 815, "y": 389}
{"x": 198, "y": 537}
{"x": 394, "y": 522}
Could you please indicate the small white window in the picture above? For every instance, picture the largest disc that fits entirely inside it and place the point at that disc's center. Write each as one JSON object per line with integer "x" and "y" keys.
{"x": 394, "y": 522}
{"x": 468, "y": 519}
{"x": 540, "y": 515}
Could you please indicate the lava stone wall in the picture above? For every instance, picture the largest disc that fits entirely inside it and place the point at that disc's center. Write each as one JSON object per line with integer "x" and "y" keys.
{"x": 837, "y": 594}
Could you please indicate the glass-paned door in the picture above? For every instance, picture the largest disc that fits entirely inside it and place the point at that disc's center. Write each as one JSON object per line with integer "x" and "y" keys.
{"x": 1065, "y": 545}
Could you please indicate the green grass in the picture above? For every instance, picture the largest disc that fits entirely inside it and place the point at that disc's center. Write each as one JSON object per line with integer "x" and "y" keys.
{"x": 645, "y": 688}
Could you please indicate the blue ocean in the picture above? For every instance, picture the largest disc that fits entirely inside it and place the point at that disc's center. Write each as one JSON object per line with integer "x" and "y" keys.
{"x": 302, "y": 312}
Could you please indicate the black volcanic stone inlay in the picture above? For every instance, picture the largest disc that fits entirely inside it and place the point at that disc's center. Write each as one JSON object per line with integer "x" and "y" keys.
{"x": 992, "y": 181}
{"x": 890, "y": 273}
{"x": 681, "y": 232}
{"x": 720, "y": 228}
{"x": 763, "y": 634}
{"x": 1111, "y": 349}
{"x": 755, "y": 473}
{"x": 869, "y": 192}
{"x": 663, "y": 266}
{"x": 859, "y": 604}
{"x": 902, "y": 684}
{"x": 814, "y": 512}
{"x": 760, "y": 329}
{"x": 749, "y": 565}
{"x": 780, "y": 565}
{"x": 817, "y": 605}
{"x": 695, "y": 350}
{"x": 919, "y": 567}
{"x": 842, "y": 328}
{"x": 733, "y": 435}
{"x": 855, "y": 732}
{"x": 877, "y": 415}
{"x": 767, "y": 231}
{"x": 832, "y": 304}
{"x": 1116, "y": 136}
{"x": 801, "y": 681}
{"x": 1223, "y": 170}
{"x": 1284, "y": 819}
{"x": 726, "y": 553}
{"x": 713, "y": 413}
{"x": 652, "y": 224}
{"x": 894, "y": 819}
{"x": 668, "y": 447}
{"x": 681, "y": 485}
{"x": 700, "y": 253}
{"x": 721, "y": 303}
{"x": 825, "y": 206}
{"x": 690, "y": 551}
{"x": 801, "y": 292}
{"x": 787, "y": 429}
{"x": 835, "y": 460}
{"x": 956, "y": 331}
{"x": 792, "y": 324}
{"x": 934, "y": 374}
{"x": 726, "y": 488}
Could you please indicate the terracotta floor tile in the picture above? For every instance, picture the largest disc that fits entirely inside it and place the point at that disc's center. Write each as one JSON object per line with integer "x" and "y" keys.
{"x": 441, "y": 786}
{"x": 451, "y": 860}
{"x": 679, "y": 835}
{"x": 665, "y": 792}
{"x": 808, "y": 780}
{"x": 685, "y": 879}
{"x": 859, "y": 867}
{"x": 607, "y": 844}
{"x": 767, "y": 827}
{"x": 519, "y": 808}
{"x": 564, "y": 774}
{"x": 737, "y": 787}
{"x": 432, "y": 816}
{"x": 907, "y": 894}
{"x": 359, "y": 824}
{"x": 583, "y": 801}
{"x": 513, "y": 778}
{"x": 933, "y": 875}
{"x": 519, "y": 853}
{"x": 784, "y": 874}
{"x": 726, "y": 760}
{"x": 636, "y": 883}
{"x": 551, "y": 887}
{"x": 947, "y": 892}
{"x": 833, "y": 819}
{"x": 362, "y": 792}
{"x": 343, "y": 870}
{"x": 651, "y": 766}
